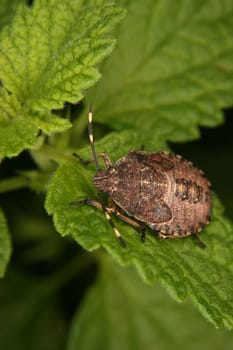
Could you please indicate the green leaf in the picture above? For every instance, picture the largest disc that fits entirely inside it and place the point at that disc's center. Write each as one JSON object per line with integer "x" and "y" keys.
{"x": 5, "y": 244}
{"x": 48, "y": 57}
{"x": 164, "y": 79}
{"x": 7, "y": 11}
{"x": 19, "y": 127}
{"x": 66, "y": 41}
{"x": 173, "y": 64}
{"x": 186, "y": 270}
{"x": 120, "y": 312}
{"x": 49, "y": 122}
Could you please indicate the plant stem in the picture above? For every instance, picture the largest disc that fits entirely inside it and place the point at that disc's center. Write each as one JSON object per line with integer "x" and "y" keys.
{"x": 52, "y": 153}
{"x": 18, "y": 182}
{"x": 13, "y": 183}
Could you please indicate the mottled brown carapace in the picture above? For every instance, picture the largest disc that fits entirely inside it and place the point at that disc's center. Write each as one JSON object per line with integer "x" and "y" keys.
{"x": 160, "y": 191}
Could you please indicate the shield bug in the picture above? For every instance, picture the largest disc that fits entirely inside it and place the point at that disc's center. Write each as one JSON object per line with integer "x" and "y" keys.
{"x": 156, "y": 190}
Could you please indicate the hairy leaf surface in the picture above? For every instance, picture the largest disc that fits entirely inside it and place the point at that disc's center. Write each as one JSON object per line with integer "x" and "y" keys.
{"x": 165, "y": 79}
{"x": 47, "y": 57}
{"x": 120, "y": 312}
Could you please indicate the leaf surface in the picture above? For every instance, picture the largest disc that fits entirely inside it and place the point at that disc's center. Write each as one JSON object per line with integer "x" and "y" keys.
{"x": 205, "y": 276}
{"x": 173, "y": 64}
{"x": 164, "y": 79}
{"x": 120, "y": 312}
{"x": 7, "y": 11}
{"x": 48, "y": 57}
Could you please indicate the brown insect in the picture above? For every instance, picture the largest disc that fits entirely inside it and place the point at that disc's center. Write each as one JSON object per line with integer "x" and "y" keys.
{"x": 162, "y": 191}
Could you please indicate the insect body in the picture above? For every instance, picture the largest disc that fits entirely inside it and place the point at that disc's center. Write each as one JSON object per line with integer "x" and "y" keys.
{"x": 161, "y": 191}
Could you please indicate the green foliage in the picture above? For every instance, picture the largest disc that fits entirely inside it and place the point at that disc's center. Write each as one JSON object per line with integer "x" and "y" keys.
{"x": 174, "y": 73}
{"x": 124, "y": 101}
{"x": 184, "y": 268}
{"x": 47, "y": 58}
{"x": 169, "y": 74}
{"x": 113, "y": 316}
{"x": 5, "y": 244}
{"x": 7, "y": 10}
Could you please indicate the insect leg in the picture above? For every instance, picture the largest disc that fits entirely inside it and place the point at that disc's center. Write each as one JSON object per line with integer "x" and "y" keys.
{"x": 106, "y": 159}
{"x": 133, "y": 223}
{"x": 199, "y": 242}
{"x": 127, "y": 219}
{"x": 107, "y": 211}
{"x": 103, "y": 155}
{"x": 88, "y": 201}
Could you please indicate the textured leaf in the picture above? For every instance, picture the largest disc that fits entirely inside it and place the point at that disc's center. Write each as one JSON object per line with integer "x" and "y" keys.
{"x": 5, "y": 245}
{"x": 16, "y": 136}
{"x": 49, "y": 122}
{"x": 9, "y": 106}
{"x": 164, "y": 79}
{"x": 172, "y": 65}
{"x": 47, "y": 57}
{"x": 205, "y": 276}
{"x": 120, "y": 312}
{"x": 7, "y": 10}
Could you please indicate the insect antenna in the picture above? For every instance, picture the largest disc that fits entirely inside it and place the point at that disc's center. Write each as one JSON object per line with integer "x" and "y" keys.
{"x": 91, "y": 138}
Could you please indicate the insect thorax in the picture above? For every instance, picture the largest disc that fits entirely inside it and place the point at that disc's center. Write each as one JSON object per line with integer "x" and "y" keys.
{"x": 130, "y": 177}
